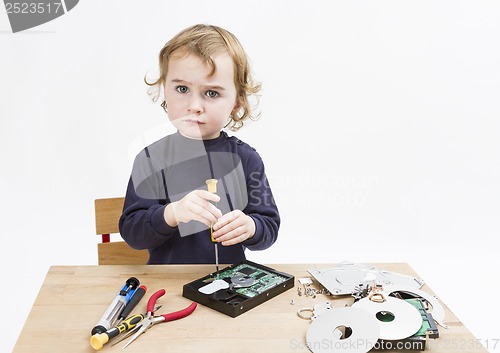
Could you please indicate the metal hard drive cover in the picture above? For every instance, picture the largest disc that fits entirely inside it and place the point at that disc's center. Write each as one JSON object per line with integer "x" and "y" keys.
{"x": 343, "y": 279}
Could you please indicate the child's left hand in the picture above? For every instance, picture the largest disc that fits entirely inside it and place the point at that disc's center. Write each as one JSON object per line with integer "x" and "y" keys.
{"x": 233, "y": 228}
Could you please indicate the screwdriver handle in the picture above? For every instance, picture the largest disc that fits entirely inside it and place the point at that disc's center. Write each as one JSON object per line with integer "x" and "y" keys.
{"x": 212, "y": 187}
{"x": 110, "y": 315}
{"x": 211, "y": 234}
{"x": 136, "y": 298}
{"x": 98, "y": 340}
{"x": 108, "y": 319}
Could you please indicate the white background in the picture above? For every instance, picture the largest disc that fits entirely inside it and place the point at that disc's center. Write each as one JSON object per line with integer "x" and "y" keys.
{"x": 379, "y": 130}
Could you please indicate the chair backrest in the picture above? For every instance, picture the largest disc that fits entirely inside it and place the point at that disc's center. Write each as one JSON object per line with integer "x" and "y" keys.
{"x": 107, "y": 215}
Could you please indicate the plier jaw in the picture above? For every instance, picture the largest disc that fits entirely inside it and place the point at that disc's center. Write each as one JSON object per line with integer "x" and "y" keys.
{"x": 151, "y": 320}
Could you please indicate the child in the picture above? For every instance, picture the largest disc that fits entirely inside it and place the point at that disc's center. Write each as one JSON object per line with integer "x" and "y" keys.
{"x": 205, "y": 79}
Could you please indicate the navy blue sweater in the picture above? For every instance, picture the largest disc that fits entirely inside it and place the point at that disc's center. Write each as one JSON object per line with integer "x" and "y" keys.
{"x": 172, "y": 167}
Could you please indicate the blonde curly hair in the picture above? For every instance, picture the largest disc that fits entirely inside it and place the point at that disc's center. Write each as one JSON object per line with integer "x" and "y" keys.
{"x": 205, "y": 42}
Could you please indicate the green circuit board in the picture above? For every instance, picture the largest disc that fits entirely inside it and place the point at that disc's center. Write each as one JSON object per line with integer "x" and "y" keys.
{"x": 262, "y": 280}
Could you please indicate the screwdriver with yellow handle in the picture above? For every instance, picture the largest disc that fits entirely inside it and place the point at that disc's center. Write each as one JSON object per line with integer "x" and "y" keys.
{"x": 98, "y": 340}
{"x": 212, "y": 187}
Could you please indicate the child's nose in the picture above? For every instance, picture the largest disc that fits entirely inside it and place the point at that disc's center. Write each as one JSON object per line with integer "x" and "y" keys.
{"x": 195, "y": 105}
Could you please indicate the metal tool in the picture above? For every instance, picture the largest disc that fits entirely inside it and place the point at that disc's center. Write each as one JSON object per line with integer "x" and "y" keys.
{"x": 212, "y": 187}
{"x": 108, "y": 319}
{"x": 98, "y": 340}
{"x": 136, "y": 298}
{"x": 151, "y": 320}
{"x": 131, "y": 330}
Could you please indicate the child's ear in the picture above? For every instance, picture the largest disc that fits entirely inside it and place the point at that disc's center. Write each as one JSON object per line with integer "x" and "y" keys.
{"x": 237, "y": 107}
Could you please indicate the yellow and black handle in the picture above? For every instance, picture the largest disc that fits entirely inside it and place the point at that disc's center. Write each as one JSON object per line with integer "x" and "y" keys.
{"x": 98, "y": 340}
{"x": 212, "y": 187}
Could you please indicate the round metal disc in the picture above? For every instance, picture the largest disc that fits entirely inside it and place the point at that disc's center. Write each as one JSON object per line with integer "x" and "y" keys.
{"x": 324, "y": 334}
{"x": 397, "y": 318}
{"x": 242, "y": 281}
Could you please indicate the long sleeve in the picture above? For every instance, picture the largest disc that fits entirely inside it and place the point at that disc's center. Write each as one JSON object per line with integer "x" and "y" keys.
{"x": 261, "y": 206}
{"x": 142, "y": 224}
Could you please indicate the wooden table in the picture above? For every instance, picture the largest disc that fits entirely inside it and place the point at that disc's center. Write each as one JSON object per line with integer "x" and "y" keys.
{"x": 73, "y": 298}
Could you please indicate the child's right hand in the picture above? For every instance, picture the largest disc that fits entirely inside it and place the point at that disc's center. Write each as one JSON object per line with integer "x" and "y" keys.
{"x": 195, "y": 206}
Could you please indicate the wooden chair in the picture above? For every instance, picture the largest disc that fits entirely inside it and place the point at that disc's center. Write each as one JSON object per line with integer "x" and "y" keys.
{"x": 107, "y": 215}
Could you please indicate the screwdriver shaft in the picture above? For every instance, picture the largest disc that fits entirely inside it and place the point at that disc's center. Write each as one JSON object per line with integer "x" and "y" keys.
{"x": 216, "y": 258}
{"x": 212, "y": 187}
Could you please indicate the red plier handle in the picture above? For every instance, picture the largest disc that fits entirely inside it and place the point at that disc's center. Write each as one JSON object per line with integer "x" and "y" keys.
{"x": 181, "y": 313}
{"x": 152, "y": 300}
{"x": 170, "y": 316}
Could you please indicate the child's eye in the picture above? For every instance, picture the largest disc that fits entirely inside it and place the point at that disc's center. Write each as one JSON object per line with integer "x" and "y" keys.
{"x": 212, "y": 94}
{"x": 182, "y": 89}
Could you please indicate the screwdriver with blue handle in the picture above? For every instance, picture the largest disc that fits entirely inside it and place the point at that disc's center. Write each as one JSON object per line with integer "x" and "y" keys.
{"x": 136, "y": 298}
{"x": 212, "y": 187}
{"x": 98, "y": 340}
{"x": 110, "y": 316}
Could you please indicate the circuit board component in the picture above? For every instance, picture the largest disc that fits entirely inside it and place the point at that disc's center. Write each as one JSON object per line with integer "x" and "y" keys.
{"x": 261, "y": 280}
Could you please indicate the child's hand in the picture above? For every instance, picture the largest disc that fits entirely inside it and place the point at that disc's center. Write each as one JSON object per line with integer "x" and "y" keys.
{"x": 233, "y": 228}
{"x": 197, "y": 206}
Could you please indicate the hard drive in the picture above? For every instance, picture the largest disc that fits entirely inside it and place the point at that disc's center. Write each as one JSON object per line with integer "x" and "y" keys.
{"x": 238, "y": 288}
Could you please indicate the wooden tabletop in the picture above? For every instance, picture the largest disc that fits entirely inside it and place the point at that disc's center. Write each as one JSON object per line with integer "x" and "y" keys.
{"x": 73, "y": 298}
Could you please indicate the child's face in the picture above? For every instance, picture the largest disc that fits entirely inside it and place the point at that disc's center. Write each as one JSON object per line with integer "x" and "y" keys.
{"x": 198, "y": 105}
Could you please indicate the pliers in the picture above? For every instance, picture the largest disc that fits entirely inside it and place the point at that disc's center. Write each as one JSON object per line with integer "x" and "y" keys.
{"x": 151, "y": 320}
